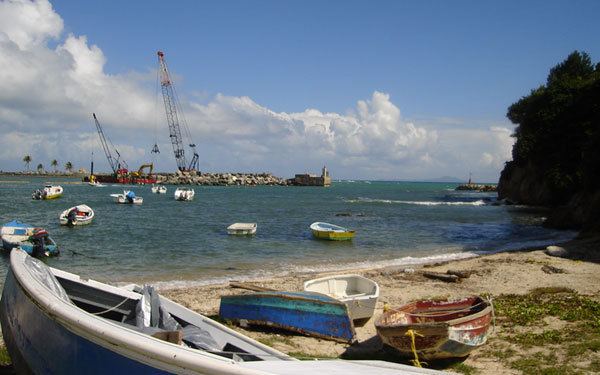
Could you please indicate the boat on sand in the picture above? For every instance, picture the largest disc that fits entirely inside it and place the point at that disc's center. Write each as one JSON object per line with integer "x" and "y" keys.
{"x": 440, "y": 328}
{"x": 76, "y": 216}
{"x": 99, "y": 328}
{"x": 357, "y": 292}
{"x": 331, "y": 231}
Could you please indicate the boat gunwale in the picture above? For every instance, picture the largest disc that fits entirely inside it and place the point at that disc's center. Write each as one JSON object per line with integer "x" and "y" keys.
{"x": 348, "y": 298}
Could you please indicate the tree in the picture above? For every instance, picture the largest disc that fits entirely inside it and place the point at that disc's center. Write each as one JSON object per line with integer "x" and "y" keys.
{"x": 54, "y": 164}
{"x": 69, "y": 166}
{"x": 40, "y": 168}
{"x": 27, "y": 160}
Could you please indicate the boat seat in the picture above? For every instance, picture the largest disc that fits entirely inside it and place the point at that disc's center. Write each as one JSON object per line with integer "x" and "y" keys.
{"x": 199, "y": 338}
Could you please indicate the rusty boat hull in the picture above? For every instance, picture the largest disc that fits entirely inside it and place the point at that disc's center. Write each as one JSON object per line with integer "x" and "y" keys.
{"x": 441, "y": 329}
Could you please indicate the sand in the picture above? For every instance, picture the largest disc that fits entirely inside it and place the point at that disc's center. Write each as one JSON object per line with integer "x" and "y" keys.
{"x": 515, "y": 272}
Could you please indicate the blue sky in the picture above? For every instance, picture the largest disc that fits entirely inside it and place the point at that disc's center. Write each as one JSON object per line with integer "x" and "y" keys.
{"x": 446, "y": 72}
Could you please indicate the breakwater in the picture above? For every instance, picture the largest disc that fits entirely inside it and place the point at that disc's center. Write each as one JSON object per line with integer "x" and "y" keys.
{"x": 221, "y": 179}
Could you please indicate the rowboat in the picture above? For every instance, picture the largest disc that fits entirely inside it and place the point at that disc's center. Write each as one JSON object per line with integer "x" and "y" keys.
{"x": 184, "y": 194}
{"x": 242, "y": 229}
{"x": 34, "y": 241}
{"x": 159, "y": 189}
{"x": 48, "y": 192}
{"x": 128, "y": 197}
{"x": 102, "y": 329}
{"x": 439, "y": 328}
{"x": 78, "y": 215}
{"x": 331, "y": 232}
{"x": 358, "y": 293}
{"x": 307, "y": 313}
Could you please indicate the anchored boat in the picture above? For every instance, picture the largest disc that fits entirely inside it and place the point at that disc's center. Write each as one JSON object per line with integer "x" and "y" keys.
{"x": 34, "y": 241}
{"x": 128, "y": 197}
{"x": 48, "y": 192}
{"x": 159, "y": 189}
{"x": 331, "y": 232}
{"x": 78, "y": 215}
{"x": 184, "y": 194}
{"x": 440, "y": 328}
{"x": 242, "y": 229}
{"x": 99, "y": 328}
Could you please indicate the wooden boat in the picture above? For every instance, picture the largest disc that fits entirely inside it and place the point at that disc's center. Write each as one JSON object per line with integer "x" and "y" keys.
{"x": 78, "y": 215}
{"x": 48, "y": 192}
{"x": 128, "y": 197}
{"x": 358, "y": 293}
{"x": 307, "y": 313}
{"x": 34, "y": 241}
{"x": 184, "y": 194}
{"x": 242, "y": 229}
{"x": 102, "y": 329}
{"x": 159, "y": 189}
{"x": 331, "y": 232}
{"x": 442, "y": 328}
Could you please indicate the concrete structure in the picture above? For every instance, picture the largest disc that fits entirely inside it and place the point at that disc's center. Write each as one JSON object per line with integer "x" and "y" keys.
{"x": 311, "y": 179}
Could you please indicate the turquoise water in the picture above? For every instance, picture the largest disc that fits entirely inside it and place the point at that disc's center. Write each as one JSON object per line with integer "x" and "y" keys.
{"x": 184, "y": 243}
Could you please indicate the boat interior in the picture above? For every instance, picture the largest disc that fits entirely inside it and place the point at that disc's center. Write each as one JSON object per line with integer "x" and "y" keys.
{"x": 442, "y": 311}
{"x": 342, "y": 288}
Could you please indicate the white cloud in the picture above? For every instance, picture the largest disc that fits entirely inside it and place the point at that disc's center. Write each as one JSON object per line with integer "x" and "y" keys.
{"x": 47, "y": 95}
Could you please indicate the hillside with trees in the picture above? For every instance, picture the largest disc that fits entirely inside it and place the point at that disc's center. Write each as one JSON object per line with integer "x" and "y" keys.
{"x": 556, "y": 156}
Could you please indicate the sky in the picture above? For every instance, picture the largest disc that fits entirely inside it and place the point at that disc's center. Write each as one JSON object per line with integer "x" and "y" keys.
{"x": 392, "y": 90}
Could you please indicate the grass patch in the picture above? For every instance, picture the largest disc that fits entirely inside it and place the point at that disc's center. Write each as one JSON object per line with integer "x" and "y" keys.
{"x": 272, "y": 340}
{"x": 464, "y": 369}
{"x": 527, "y": 340}
{"x": 307, "y": 356}
{"x": 4, "y": 357}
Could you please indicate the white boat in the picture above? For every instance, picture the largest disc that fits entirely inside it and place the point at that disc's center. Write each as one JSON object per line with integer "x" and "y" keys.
{"x": 48, "y": 192}
{"x": 159, "y": 189}
{"x": 184, "y": 194}
{"x": 242, "y": 228}
{"x": 35, "y": 241}
{"x": 358, "y": 293}
{"x": 99, "y": 328}
{"x": 331, "y": 232}
{"x": 96, "y": 184}
{"x": 78, "y": 215}
{"x": 128, "y": 197}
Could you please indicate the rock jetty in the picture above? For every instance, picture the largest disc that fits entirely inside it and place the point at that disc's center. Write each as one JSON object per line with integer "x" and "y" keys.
{"x": 221, "y": 179}
{"x": 477, "y": 187}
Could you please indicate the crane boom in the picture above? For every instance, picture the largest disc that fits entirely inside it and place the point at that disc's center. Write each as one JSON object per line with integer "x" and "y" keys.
{"x": 171, "y": 104}
{"x": 115, "y": 165}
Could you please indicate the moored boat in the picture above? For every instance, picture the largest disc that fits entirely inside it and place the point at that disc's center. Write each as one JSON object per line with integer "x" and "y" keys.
{"x": 307, "y": 313}
{"x": 34, "y": 241}
{"x": 242, "y": 229}
{"x": 331, "y": 231}
{"x": 48, "y": 192}
{"x": 159, "y": 189}
{"x": 78, "y": 215}
{"x": 128, "y": 197}
{"x": 357, "y": 292}
{"x": 184, "y": 194}
{"x": 104, "y": 329}
{"x": 441, "y": 328}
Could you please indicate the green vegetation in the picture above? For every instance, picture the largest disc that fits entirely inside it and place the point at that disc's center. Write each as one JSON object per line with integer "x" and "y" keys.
{"x": 464, "y": 369}
{"x": 27, "y": 159}
{"x": 4, "y": 357}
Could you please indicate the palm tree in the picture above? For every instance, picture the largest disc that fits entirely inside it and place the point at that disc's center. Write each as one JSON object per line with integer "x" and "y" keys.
{"x": 69, "y": 166}
{"x": 40, "y": 168}
{"x": 27, "y": 160}
{"x": 54, "y": 164}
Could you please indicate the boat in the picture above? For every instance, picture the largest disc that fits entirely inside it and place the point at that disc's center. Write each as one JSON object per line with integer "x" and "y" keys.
{"x": 32, "y": 240}
{"x": 357, "y": 292}
{"x": 159, "y": 189}
{"x": 331, "y": 232}
{"x": 78, "y": 215}
{"x": 128, "y": 197}
{"x": 48, "y": 192}
{"x": 308, "y": 313}
{"x": 184, "y": 194}
{"x": 99, "y": 328}
{"x": 242, "y": 229}
{"x": 96, "y": 184}
{"x": 442, "y": 328}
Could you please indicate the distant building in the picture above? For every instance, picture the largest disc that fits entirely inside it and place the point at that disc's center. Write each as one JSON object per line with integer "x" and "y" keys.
{"x": 311, "y": 179}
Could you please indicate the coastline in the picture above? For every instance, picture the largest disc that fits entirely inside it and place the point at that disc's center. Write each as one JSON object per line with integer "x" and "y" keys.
{"x": 502, "y": 273}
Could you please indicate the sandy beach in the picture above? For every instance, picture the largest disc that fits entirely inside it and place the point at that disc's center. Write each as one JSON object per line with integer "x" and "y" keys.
{"x": 509, "y": 273}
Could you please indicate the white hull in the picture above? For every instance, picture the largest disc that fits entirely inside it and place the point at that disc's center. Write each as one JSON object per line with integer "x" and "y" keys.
{"x": 358, "y": 293}
{"x": 84, "y": 217}
{"x": 184, "y": 194}
{"x": 242, "y": 229}
{"x": 122, "y": 198}
{"x": 159, "y": 189}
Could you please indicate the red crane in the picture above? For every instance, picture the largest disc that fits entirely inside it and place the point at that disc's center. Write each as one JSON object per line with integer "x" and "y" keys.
{"x": 171, "y": 107}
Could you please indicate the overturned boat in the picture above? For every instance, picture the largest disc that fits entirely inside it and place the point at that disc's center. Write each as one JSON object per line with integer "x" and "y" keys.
{"x": 76, "y": 216}
{"x": 99, "y": 328}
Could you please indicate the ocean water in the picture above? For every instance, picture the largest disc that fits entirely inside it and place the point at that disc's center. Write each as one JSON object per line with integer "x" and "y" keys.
{"x": 174, "y": 244}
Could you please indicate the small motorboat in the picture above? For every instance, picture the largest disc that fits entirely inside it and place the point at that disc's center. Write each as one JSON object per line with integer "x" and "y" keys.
{"x": 159, "y": 189}
{"x": 133, "y": 330}
{"x": 440, "y": 328}
{"x": 308, "y": 313}
{"x": 34, "y": 241}
{"x": 358, "y": 293}
{"x": 331, "y": 232}
{"x": 128, "y": 197}
{"x": 96, "y": 184}
{"x": 242, "y": 229}
{"x": 48, "y": 192}
{"x": 184, "y": 194}
{"x": 78, "y": 215}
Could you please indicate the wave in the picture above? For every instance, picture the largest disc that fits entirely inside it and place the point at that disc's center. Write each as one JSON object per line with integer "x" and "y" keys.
{"x": 479, "y": 202}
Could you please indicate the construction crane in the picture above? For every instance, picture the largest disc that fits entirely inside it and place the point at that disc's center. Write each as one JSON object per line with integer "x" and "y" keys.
{"x": 171, "y": 108}
{"x": 118, "y": 166}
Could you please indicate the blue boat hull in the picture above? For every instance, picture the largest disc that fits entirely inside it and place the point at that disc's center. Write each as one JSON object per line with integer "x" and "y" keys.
{"x": 39, "y": 344}
{"x": 304, "y": 312}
